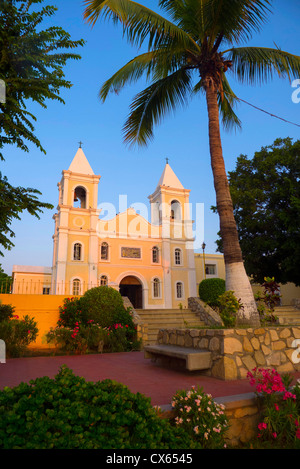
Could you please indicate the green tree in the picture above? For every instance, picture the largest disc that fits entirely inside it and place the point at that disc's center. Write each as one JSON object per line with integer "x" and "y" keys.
{"x": 265, "y": 191}
{"x": 31, "y": 66}
{"x": 192, "y": 53}
{"x": 14, "y": 201}
{"x": 5, "y": 281}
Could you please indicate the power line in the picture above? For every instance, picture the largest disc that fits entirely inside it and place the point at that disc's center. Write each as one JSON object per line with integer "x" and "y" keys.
{"x": 262, "y": 110}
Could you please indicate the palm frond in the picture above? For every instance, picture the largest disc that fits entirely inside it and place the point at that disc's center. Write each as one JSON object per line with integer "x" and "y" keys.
{"x": 188, "y": 15}
{"x": 257, "y": 65}
{"x": 152, "y": 104}
{"x": 226, "y": 102}
{"x": 128, "y": 74}
{"x": 155, "y": 65}
{"x": 236, "y": 20}
{"x": 139, "y": 23}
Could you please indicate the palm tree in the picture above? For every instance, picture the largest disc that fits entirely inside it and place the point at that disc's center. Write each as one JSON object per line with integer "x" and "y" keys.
{"x": 193, "y": 52}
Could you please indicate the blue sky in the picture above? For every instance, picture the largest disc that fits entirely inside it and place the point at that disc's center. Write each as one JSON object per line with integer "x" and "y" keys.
{"x": 182, "y": 137}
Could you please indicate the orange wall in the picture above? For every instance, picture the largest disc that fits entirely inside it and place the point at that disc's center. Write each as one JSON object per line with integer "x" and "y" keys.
{"x": 43, "y": 308}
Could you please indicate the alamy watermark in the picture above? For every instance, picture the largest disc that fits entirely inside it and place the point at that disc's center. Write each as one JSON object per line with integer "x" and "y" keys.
{"x": 2, "y": 92}
{"x": 184, "y": 222}
{"x": 296, "y": 93}
{"x": 2, "y": 351}
{"x": 296, "y": 353}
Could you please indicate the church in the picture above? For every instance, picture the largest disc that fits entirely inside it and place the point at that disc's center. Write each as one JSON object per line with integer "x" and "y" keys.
{"x": 152, "y": 262}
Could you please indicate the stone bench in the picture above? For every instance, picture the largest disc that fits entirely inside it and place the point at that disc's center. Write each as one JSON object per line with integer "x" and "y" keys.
{"x": 194, "y": 359}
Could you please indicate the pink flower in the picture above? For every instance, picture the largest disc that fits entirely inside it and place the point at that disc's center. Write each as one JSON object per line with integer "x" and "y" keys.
{"x": 262, "y": 426}
{"x": 288, "y": 395}
{"x": 274, "y": 435}
{"x": 276, "y": 406}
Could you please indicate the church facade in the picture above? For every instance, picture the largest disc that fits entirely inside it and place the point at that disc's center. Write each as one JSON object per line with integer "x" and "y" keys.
{"x": 152, "y": 262}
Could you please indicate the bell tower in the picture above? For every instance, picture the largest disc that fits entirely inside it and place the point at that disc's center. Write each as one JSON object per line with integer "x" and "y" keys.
{"x": 75, "y": 242}
{"x": 170, "y": 208}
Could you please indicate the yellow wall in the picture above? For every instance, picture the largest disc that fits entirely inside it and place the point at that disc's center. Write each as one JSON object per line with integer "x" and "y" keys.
{"x": 289, "y": 293}
{"x": 31, "y": 283}
{"x": 209, "y": 259}
{"x": 43, "y": 308}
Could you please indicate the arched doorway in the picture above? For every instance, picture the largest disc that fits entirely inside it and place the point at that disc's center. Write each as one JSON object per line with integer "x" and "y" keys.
{"x": 131, "y": 287}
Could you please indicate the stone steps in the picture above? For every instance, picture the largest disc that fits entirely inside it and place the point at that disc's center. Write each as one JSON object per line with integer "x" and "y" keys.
{"x": 157, "y": 319}
{"x": 287, "y": 314}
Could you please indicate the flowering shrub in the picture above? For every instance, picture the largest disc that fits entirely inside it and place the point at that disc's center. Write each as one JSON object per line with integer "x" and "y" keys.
{"x": 78, "y": 339}
{"x": 68, "y": 412}
{"x": 102, "y": 304}
{"x": 91, "y": 337}
{"x": 280, "y": 422}
{"x": 121, "y": 338}
{"x": 93, "y": 323}
{"x": 202, "y": 418}
{"x": 71, "y": 312}
{"x": 17, "y": 334}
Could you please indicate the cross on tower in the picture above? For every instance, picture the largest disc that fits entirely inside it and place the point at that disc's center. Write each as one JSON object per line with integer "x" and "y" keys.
{"x": 167, "y": 160}
{"x": 80, "y": 144}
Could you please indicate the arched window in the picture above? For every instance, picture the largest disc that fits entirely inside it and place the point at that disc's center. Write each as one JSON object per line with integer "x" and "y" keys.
{"x": 175, "y": 210}
{"x": 76, "y": 287}
{"x": 79, "y": 197}
{"x": 104, "y": 251}
{"x": 156, "y": 288}
{"x": 178, "y": 256}
{"x": 77, "y": 252}
{"x": 103, "y": 281}
{"x": 179, "y": 290}
{"x": 155, "y": 255}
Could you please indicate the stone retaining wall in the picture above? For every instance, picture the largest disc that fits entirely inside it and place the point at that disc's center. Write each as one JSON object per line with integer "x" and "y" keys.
{"x": 141, "y": 327}
{"x": 243, "y": 414}
{"x": 237, "y": 351}
{"x": 205, "y": 312}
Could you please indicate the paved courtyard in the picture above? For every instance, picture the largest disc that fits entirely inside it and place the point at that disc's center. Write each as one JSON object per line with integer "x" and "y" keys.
{"x": 131, "y": 369}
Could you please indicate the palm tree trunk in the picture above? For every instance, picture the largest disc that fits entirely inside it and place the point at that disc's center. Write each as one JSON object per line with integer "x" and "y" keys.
{"x": 236, "y": 277}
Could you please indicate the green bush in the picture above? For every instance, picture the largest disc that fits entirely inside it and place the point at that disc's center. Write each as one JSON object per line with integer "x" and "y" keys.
{"x": 210, "y": 289}
{"x": 6, "y": 312}
{"x": 79, "y": 339}
{"x": 229, "y": 307}
{"x": 102, "y": 304}
{"x": 72, "y": 312}
{"x": 18, "y": 334}
{"x": 96, "y": 321}
{"x": 68, "y": 412}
